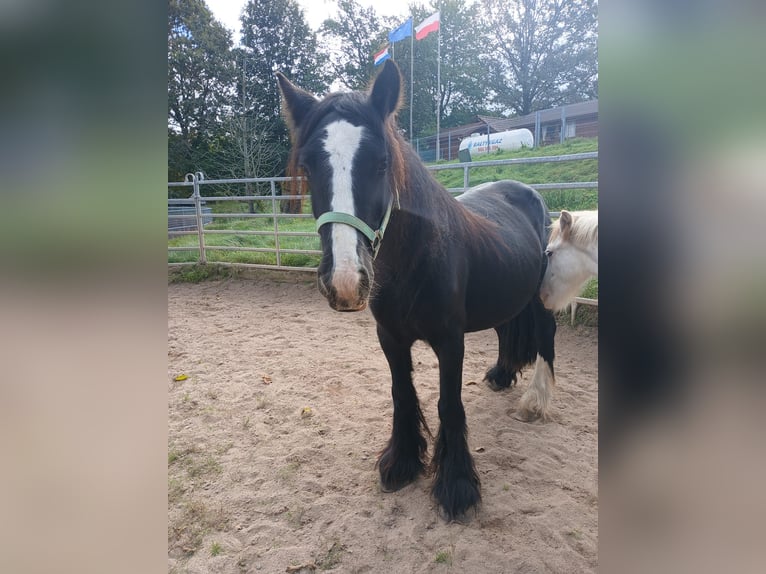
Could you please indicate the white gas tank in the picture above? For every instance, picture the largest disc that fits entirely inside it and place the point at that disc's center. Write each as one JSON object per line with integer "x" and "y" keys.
{"x": 478, "y": 144}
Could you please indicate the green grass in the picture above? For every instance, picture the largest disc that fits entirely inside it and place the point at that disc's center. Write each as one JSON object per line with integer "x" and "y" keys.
{"x": 199, "y": 273}
{"x": 591, "y": 289}
{"x": 193, "y": 521}
{"x": 443, "y": 557}
{"x": 572, "y": 199}
{"x": 332, "y": 557}
{"x": 285, "y": 224}
{"x": 587, "y": 314}
{"x": 558, "y": 172}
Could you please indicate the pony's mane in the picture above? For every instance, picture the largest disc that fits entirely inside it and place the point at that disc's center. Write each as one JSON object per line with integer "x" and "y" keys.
{"x": 396, "y": 142}
{"x": 584, "y": 230}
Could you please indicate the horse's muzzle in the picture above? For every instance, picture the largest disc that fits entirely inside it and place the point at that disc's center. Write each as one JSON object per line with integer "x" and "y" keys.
{"x": 343, "y": 307}
{"x": 346, "y": 291}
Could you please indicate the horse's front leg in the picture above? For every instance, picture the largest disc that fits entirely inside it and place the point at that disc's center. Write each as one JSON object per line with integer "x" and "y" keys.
{"x": 456, "y": 484}
{"x": 403, "y": 458}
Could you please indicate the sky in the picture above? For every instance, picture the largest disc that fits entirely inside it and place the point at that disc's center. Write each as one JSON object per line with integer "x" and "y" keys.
{"x": 228, "y": 11}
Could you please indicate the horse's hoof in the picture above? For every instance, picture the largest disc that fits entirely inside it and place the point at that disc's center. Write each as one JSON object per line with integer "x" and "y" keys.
{"x": 493, "y": 385}
{"x": 530, "y": 416}
{"x": 395, "y": 473}
{"x": 464, "y": 518}
{"x": 388, "y": 489}
{"x": 497, "y": 380}
{"x": 524, "y": 417}
{"x": 459, "y": 501}
{"x": 390, "y": 485}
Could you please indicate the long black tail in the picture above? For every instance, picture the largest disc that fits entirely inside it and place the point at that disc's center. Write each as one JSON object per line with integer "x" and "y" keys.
{"x": 518, "y": 340}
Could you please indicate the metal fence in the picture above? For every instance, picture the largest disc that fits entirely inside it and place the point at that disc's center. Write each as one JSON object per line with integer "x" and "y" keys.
{"x": 282, "y": 255}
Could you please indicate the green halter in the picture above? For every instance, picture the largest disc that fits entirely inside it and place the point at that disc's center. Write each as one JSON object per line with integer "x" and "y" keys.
{"x": 375, "y": 237}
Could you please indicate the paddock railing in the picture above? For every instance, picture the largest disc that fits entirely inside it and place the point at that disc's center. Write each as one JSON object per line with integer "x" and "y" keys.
{"x": 265, "y": 236}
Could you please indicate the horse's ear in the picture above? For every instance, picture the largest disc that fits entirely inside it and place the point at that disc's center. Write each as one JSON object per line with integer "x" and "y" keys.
{"x": 565, "y": 223}
{"x": 296, "y": 103}
{"x": 387, "y": 89}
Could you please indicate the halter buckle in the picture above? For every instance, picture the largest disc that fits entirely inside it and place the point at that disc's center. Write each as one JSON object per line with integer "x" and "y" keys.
{"x": 376, "y": 243}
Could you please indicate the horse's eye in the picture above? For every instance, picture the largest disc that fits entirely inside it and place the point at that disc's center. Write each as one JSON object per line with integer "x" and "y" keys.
{"x": 549, "y": 253}
{"x": 382, "y": 167}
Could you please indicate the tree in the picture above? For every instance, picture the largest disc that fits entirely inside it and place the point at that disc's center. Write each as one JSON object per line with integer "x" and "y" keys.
{"x": 542, "y": 53}
{"x": 356, "y": 34}
{"x": 200, "y": 75}
{"x": 359, "y": 33}
{"x": 275, "y": 37}
{"x": 249, "y": 147}
{"x": 463, "y": 92}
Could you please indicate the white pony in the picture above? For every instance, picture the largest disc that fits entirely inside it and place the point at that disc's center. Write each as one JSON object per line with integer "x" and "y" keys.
{"x": 572, "y": 257}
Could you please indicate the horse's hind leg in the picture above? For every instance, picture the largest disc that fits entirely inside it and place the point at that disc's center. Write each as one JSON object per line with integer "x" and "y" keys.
{"x": 403, "y": 458}
{"x": 456, "y": 483}
{"x": 535, "y": 401}
{"x": 503, "y": 374}
{"x": 517, "y": 348}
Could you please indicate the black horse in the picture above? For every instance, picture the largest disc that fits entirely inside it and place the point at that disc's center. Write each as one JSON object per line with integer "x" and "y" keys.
{"x": 431, "y": 268}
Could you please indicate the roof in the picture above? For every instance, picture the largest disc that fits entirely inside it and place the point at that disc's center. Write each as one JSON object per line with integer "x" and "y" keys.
{"x": 467, "y": 129}
{"x": 572, "y": 111}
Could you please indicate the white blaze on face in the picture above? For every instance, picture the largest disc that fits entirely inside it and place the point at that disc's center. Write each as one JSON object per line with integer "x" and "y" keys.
{"x": 341, "y": 144}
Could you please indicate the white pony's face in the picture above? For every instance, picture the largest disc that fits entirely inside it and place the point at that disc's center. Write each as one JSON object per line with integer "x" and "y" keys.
{"x": 565, "y": 276}
{"x": 569, "y": 268}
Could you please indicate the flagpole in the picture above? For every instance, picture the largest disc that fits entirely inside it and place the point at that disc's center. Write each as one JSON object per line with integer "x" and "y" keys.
{"x": 412, "y": 67}
{"x": 438, "y": 85}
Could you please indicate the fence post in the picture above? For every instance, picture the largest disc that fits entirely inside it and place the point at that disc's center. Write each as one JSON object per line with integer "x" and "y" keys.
{"x": 276, "y": 221}
{"x": 465, "y": 177}
{"x": 536, "y": 142}
{"x": 198, "y": 213}
{"x": 563, "y": 123}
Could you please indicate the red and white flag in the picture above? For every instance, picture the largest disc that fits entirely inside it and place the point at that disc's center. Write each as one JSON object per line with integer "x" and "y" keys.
{"x": 430, "y": 24}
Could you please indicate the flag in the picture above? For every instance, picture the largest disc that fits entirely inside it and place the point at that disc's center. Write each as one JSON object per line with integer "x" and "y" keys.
{"x": 381, "y": 56}
{"x": 430, "y": 24}
{"x": 401, "y": 32}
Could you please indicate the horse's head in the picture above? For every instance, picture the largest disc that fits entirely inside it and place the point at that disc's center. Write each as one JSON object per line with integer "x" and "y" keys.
{"x": 572, "y": 253}
{"x": 345, "y": 146}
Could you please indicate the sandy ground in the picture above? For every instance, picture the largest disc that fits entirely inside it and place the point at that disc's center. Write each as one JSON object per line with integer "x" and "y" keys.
{"x": 273, "y": 439}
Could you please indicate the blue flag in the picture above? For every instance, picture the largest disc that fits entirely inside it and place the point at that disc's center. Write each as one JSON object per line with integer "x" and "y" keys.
{"x": 401, "y": 32}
